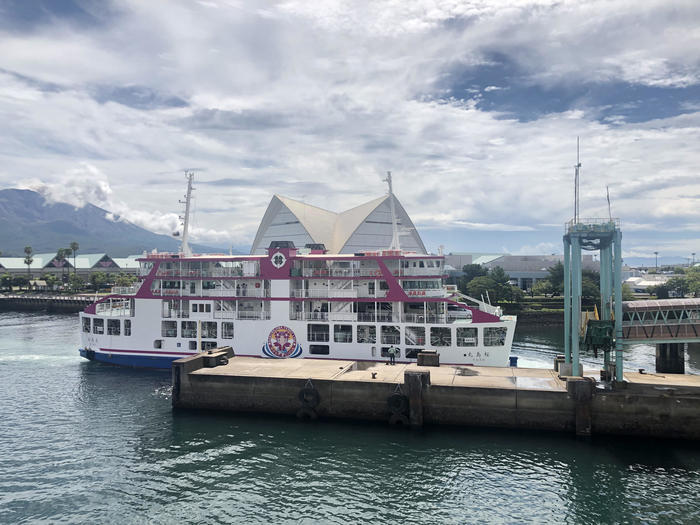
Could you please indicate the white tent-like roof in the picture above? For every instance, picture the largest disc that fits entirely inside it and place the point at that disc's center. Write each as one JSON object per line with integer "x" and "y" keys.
{"x": 365, "y": 227}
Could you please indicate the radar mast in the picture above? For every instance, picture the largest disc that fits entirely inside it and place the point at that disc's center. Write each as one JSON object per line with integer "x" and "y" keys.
{"x": 395, "y": 243}
{"x": 184, "y": 246}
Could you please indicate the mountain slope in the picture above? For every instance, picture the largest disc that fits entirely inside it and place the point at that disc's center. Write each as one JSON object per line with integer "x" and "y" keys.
{"x": 27, "y": 219}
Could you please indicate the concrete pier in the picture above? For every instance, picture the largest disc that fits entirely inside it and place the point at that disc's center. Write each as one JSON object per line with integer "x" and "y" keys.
{"x": 649, "y": 405}
{"x": 670, "y": 358}
{"x": 45, "y": 302}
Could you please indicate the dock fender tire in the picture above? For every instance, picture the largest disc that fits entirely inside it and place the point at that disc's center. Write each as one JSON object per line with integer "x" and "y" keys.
{"x": 398, "y": 419}
{"x": 309, "y": 397}
{"x": 306, "y": 413}
{"x": 223, "y": 360}
{"x": 398, "y": 403}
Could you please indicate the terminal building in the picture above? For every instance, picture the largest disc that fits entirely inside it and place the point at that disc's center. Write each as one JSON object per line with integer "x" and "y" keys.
{"x": 366, "y": 227}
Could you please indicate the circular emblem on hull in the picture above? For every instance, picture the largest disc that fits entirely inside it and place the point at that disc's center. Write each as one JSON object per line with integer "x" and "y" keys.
{"x": 278, "y": 260}
{"x": 281, "y": 344}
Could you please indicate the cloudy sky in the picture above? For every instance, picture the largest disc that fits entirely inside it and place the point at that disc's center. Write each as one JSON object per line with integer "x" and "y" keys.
{"x": 474, "y": 106}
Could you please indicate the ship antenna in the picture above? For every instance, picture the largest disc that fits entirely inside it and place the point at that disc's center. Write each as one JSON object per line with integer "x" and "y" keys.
{"x": 577, "y": 169}
{"x": 395, "y": 243}
{"x": 185, "y": 247}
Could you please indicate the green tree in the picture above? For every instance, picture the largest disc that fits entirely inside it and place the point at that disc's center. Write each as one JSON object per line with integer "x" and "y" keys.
{"x": 124, "y": 279}
{"x": 5, "y": 280}
{"x": 471, "y": 271}
{"x": 543, "y": 287}
{"x": 660, "y": 291}
{"x": 51, "y": 280}
{"x": 497, "y": 284}
{"x": 627, "y": 294}
{"x": 74, "y": 248}
{"x": 678, "y": 286}
{"x": 60, "y": 258}
{"x": 75, "y": 282}
{"x": 479, "y": 286}
{"x": 28, "y": 259}
{"x": 556, "y": 277}
{"x": 20, "y": 280}
{"x": 98, "y": 280}
{"x": 693, "y": 277}
{"x": 590, "y": 289}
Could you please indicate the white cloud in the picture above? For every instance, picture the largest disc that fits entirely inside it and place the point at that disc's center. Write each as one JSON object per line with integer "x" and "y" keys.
{"x": 87, "y": 184}
{"x": 318, "y": 100}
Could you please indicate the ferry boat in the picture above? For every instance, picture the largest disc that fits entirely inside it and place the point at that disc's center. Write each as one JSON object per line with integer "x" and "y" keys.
{"x": 293, "y": 303}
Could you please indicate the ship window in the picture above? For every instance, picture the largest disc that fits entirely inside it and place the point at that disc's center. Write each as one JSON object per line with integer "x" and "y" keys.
{"x": 366, "y": 333}
{"x": 440, "y": 336}
{"x": 383, "y": 285}
{"x": 342, "y": 333}
{"x": 467, "y": 337}
{"x": 98, "y": 326}
{"x": 195, "y": 307}
{"x": 227, "y": 330}
{"x": 189, "y": 329}
{"x": 318, "y": 332}
{"x": 209, "y": 329}
{"x": 412, "y": 353}
{"x": 319, "y": 349}
{"x": 86, "y": 325}
{"x": 385, "y": 351}
{"x": 207, "y": 308}
{"x": 193, "y": 345}
{"x": 495, "y": 336}
{"x": 113, "y": 326}
{"x": 158, "y": 343}
{"x": 208, "y": 345}
{"x": 415, "y": 335}
{"x": 391, "y": 335}
{"x": 127, "y": 327}
{"x": 168, "y": 329}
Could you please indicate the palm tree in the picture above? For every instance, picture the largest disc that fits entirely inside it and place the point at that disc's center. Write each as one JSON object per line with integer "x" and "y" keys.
{"x": 74, "y": 248}
{"x": 28, "y": 260}
{"x": 60, "y": 258}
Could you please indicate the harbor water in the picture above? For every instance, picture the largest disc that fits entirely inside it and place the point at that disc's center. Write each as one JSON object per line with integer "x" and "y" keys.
{"x": 82, "y": 442}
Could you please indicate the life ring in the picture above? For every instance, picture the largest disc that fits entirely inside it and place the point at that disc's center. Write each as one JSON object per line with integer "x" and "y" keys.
{"x": 398, "y": 403}
{"x": 309, "y": 397}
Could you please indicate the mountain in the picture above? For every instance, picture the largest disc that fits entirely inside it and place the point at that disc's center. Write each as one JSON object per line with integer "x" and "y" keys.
{"x": 27, "y": 219}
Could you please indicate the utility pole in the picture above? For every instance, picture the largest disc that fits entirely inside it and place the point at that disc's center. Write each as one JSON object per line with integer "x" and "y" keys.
{"x": 656, "y": 260}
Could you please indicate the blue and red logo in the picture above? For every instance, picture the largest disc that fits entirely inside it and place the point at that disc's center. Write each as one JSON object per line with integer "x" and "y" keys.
{"x": 282, "y": 344}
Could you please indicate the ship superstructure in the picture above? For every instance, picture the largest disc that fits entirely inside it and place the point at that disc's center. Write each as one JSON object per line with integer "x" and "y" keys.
{"x": 293, "y": 303}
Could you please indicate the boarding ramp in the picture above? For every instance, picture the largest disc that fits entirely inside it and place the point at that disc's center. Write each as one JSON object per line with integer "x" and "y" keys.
{"x": 661, "y": 321}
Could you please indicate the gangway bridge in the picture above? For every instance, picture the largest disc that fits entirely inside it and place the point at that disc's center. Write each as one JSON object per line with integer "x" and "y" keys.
{"x": 661, "y": 321}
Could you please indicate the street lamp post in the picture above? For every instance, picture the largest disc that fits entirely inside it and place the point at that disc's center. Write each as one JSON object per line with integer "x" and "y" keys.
{"x": 656, "y": 260}
{"x": 693, "y": 254}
